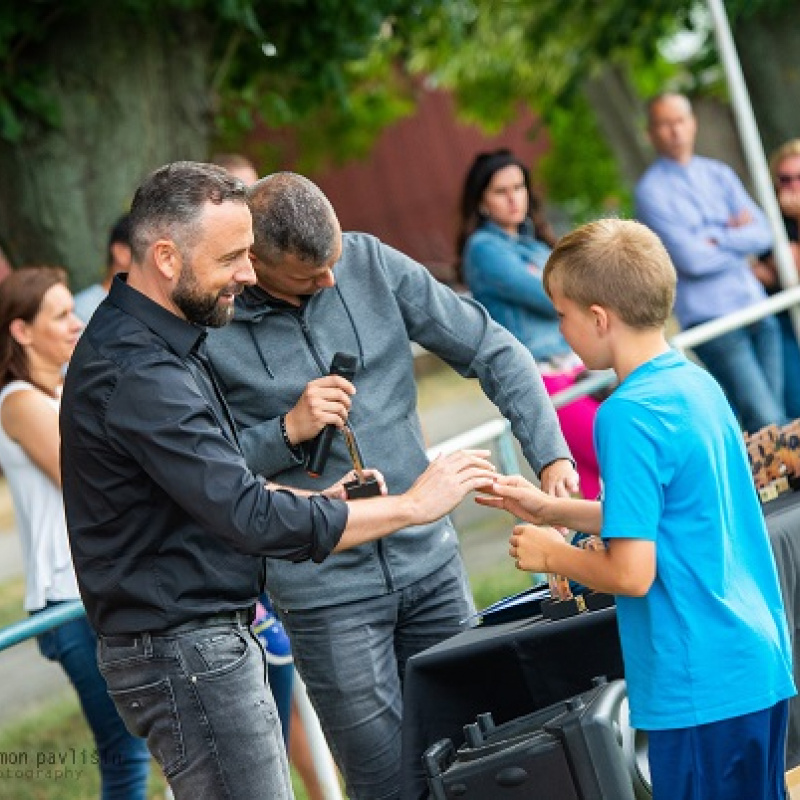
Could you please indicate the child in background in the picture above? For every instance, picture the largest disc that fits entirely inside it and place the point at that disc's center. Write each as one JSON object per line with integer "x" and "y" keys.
{"x": 703, "y": 631}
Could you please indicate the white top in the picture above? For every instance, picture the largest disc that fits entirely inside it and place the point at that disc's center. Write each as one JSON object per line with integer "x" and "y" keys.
{"x": 39, "y": 509}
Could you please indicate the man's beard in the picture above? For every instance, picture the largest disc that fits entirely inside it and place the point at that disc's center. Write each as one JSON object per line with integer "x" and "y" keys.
{"x": 199, "y": 308}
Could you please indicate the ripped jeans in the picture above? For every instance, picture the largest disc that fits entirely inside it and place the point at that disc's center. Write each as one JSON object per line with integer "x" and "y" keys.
{"x": 199, "y": 695}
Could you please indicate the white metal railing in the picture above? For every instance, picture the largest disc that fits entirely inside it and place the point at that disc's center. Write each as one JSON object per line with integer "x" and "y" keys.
{"x": 746, "y": 316}
{"x": 321, "y": 756}
{"x": 684, "y": 340}
{"x": 692, "y": 337}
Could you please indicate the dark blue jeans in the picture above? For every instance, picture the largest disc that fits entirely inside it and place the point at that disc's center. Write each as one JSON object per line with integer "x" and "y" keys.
{"x": 124, "y": 760}
{"x": 281, "y": 683}
{"x": 201, "y": 699}
{"x": 748, "y": 364}
{"x": 791, "y": 367}
{"x": 352, "y": 658}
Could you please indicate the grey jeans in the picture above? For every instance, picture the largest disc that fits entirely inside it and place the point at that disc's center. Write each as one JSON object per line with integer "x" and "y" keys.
{"x": 201, "y": 699}
{"x": 352, "y": 658}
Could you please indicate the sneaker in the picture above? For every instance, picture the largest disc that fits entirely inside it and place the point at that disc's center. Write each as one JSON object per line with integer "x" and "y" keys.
{"x": 271, "y": 634}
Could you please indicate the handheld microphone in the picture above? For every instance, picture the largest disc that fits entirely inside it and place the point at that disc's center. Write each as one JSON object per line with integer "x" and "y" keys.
{"x": 345, "y": 365}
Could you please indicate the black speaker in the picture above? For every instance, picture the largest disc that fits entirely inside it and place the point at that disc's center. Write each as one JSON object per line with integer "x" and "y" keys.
{"x": 582, "y": 748}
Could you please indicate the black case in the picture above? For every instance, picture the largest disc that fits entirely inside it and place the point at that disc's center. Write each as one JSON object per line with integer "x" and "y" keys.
{"x": 577, "y": 749}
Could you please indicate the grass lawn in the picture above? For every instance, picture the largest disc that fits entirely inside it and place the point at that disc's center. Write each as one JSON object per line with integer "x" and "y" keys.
{"x": 48, "y": 756}
{"x": 11, "y": 594}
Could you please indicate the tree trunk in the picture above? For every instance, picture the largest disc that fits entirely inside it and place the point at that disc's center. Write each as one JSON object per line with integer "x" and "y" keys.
{"x": 132, "y": 95}
{"x": 621, "y": 118}
{"x": 769, "y": 51}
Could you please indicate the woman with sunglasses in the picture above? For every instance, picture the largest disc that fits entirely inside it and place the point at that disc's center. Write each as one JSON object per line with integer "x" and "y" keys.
{"x": 784, "y": 165}
{"x": 38, "y": 332}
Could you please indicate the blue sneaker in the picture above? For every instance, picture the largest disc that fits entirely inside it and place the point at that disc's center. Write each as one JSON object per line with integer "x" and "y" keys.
{"x": 271, "y": 634}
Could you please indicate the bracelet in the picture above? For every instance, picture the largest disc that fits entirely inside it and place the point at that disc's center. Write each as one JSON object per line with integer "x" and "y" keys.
{"x": 296, "y": 451}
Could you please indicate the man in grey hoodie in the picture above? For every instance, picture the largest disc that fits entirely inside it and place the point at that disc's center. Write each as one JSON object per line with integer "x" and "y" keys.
{"x": 355, "y": 619}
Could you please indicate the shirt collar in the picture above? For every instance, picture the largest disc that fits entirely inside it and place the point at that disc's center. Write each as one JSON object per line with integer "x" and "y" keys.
{"x": 182, "y": 336}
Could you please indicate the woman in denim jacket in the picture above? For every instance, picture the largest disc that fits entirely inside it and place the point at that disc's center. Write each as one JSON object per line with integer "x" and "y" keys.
{"x": 504, "y": 243}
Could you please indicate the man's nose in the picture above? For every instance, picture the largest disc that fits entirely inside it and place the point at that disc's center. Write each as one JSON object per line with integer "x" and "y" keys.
{"x": 245, "y": 274}
{"x": 326, "y": 279}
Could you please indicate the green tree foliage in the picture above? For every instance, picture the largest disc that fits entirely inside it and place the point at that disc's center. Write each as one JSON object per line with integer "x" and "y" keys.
{"x": 280, "y": 59}
{"x": 545, "y": 52}
{"x": 95, "y": 93}
{"x": 578, "y": 170}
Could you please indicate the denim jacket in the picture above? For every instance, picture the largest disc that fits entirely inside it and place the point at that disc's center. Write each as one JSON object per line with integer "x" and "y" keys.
{"x": 504, "y": 274}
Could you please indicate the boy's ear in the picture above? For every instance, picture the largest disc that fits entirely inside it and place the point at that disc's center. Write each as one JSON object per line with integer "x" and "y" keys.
{"x": 600, "y": 317}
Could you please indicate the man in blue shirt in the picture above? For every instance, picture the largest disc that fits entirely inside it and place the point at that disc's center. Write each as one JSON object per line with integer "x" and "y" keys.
{"x": 118, "y": 259}
{"x": 710, "y": 226}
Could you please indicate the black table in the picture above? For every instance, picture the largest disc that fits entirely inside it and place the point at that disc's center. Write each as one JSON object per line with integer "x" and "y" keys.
{"x": 507, "y": 669}
{"x": 519, "y": 667}
{"x": 783, "y": 524}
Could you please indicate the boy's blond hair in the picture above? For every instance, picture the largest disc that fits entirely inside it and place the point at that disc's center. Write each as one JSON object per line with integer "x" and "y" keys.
{"x": 618, "y": 264}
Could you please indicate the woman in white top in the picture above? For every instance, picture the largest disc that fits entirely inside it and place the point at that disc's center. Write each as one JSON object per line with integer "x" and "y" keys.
{"x": 38, "y": 332}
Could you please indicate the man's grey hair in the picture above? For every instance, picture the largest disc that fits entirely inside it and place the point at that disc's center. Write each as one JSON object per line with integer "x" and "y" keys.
{"x": 292, "y": 216}
{"x": 169, "y": 202}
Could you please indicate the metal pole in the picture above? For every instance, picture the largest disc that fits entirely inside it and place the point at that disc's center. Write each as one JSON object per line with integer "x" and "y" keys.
{"x": 781, "y": 301}
{"x": 320, "y": 755}
{"x": 754, "y": 150}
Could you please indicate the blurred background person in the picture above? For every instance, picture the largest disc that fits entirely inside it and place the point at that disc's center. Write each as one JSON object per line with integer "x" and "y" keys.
{"x": 503, "y": 242}
{"x": 38, "y": 332}
{"x": 711, "y": 228}
{"x": 238, "y": 165}
{"x": 118, "y": 259}
{"x": 784, "y": 164}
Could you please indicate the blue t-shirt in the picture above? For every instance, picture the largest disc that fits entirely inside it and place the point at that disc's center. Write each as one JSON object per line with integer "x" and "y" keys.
{"x": 709, "y": 640}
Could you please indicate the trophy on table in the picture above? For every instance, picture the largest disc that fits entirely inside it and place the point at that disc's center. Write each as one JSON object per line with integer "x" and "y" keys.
{"x": 564, "y": 602}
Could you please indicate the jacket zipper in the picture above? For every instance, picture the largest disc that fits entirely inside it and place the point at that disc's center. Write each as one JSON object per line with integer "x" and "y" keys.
{"x": 379, "y": 546}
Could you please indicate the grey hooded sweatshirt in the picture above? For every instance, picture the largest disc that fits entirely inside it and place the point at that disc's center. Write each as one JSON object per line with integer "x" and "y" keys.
{"x": 382, "y": 301}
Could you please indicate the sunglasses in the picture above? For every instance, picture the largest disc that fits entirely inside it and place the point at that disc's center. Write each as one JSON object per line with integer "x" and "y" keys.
{"x": 785, "y": 180}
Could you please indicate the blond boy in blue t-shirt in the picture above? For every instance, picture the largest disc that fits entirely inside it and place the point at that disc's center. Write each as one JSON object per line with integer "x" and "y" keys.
{"x": 702, "y": 625}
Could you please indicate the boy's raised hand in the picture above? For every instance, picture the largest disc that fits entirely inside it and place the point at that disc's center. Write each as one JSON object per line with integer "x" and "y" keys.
{"x": 518, "y": 496}
{"x": 530, "y": 546}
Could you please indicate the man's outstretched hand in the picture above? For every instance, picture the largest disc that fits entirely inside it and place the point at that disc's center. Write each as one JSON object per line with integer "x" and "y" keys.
{"x": 447, "y": 481}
